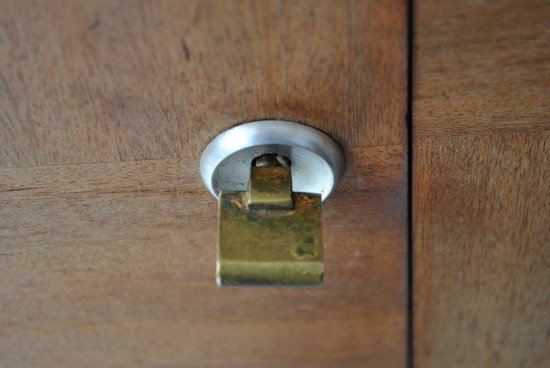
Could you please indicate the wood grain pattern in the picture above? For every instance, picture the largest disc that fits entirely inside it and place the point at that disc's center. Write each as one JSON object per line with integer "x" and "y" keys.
{"x": 481, "y": 184}
{"x": 107, "y": 234}
{"x": 119, "y": 81}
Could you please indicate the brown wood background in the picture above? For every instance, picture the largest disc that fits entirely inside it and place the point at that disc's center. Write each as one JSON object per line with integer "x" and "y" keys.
{"x": 107, "y": 235}
{"x": 481, "y": 183}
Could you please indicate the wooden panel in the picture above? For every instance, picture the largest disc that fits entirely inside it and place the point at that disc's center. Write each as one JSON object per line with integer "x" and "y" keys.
{"x": 117, "y": 81}
{"x": 481, "y": 184}
{"x": 107, "y": 234}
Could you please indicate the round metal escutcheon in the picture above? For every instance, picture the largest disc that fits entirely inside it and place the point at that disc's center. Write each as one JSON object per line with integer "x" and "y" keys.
{"x": 316, "y": 161}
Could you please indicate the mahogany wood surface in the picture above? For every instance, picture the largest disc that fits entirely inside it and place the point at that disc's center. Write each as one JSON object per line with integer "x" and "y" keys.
{"x": 107, "y": 234}
{"x": 481, "y": 183}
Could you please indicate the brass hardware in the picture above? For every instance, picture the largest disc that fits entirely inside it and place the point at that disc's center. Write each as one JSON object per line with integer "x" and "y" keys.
{"x": 269, "y": 235}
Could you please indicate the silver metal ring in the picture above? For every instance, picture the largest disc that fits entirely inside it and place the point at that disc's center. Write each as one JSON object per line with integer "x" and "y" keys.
{"x": 317, "y": 163}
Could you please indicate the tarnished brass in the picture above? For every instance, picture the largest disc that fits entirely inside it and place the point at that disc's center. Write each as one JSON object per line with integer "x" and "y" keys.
{"x": 269, "y": 235}
{"x": 270, "y": 187}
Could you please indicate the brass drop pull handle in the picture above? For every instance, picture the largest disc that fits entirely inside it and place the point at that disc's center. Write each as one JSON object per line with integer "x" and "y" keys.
{"x": 270, "y": 177}
{"x": 269, "y": 235}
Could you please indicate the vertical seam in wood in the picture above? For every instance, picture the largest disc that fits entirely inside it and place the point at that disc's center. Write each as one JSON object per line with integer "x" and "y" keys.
{"x": 410, "y": 306}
